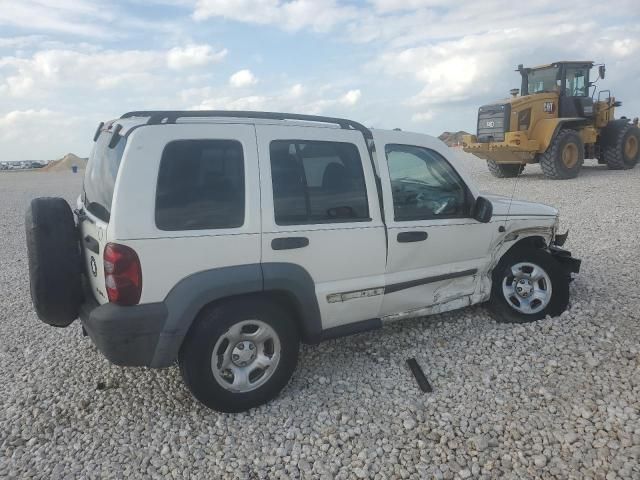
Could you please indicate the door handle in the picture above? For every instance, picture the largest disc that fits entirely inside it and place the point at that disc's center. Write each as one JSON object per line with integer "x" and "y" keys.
{"x": 92, "y": 244}
{"x": 406, "y": 237}
{"x": 289, "y": 243}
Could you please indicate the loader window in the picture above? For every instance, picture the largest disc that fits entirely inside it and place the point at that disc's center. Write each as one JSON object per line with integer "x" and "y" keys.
{"x": 544, "y": 80}
{"x": 577, "y": 82}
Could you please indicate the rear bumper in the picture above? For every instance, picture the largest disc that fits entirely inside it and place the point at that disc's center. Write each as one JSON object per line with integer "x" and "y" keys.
{"x": 126, "y": 336}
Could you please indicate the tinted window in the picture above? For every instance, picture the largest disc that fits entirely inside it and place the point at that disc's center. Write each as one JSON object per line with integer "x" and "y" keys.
{"x": 200, "y": 185}
{"x": 577, "y": 81}
{"x": 100, "y": 175}
{"x": 424, "y": 185}
{"x": 317, "y": 182}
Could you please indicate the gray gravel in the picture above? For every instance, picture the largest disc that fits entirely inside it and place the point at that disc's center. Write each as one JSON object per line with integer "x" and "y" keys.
{"x": 554, "y": 399}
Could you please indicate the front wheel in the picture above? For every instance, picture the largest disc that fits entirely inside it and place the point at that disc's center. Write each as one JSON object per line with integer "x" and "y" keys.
{"x": 528, "y": 285}
{"x": 239, "y": 354}
{"x": 504, "y": 170}
{"x": 564, "y": 157}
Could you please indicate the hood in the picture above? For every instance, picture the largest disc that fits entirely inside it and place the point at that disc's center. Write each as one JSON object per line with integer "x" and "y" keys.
{"x": 519, "y": 207}
{"x": 526, "y": 100}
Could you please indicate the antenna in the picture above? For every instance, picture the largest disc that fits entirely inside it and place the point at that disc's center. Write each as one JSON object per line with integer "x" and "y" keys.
{"x": 513, "y": 192}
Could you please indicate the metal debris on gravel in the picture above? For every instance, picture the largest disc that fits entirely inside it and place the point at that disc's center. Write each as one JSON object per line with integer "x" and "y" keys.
{"x": 559, "y": 398}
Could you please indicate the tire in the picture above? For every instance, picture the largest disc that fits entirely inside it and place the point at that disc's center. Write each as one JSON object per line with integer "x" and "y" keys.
{"x": 564, "y": 157}
{"x": 215, "y": 328}
{"x": 54, "y": 261}
{"x": 504, "y": 170}
{"x": 504, "y": 297}
{"x": 622, "y": 148}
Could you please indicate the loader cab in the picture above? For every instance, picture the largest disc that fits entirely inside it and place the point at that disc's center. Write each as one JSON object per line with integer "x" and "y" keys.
{"x": 570, "y": 80}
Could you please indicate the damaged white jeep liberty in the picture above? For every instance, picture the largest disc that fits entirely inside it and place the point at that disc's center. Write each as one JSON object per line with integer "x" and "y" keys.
{"x": 221, "y": 240}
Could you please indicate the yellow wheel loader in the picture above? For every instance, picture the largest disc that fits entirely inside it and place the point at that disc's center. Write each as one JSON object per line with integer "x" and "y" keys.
{"x": 553, "y": 120}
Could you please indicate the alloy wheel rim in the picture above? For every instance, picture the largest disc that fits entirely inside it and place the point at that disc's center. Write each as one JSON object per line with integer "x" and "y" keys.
{"x": 246, "y": 356}
{"x": 527, "y": 288}
{"x": 570, "y": 155}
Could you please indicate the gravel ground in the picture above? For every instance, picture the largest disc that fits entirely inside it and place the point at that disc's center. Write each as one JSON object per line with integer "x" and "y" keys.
{"x": 554, "y": 399}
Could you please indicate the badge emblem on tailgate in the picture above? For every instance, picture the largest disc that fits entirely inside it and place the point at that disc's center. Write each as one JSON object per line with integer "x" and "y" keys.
{"x": 94, "y": 267}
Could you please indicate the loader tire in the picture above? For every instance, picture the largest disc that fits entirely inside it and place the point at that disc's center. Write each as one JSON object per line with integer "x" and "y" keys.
{"x": 504, "y": 170}
{"x": 564, "y": 157}
{"x": 622, "y": 150}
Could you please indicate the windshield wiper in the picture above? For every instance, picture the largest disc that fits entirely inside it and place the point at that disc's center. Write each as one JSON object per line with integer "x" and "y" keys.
{"x": 99, "y": 211}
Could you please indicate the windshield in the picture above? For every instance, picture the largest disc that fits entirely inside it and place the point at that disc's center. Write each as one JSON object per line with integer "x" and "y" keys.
{"x": 100, "y": 176}
{"x": 544, "y": 80}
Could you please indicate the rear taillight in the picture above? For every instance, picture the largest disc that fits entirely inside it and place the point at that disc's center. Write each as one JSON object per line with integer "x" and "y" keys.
{"x": 122, "y": 274}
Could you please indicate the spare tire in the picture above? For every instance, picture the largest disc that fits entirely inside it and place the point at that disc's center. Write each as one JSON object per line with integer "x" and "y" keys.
{"x": 54, "y": 261}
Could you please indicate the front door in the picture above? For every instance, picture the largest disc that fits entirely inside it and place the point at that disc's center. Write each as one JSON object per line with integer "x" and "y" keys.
{"x": 435, "y": 248}
{"x": 320, "y": 211}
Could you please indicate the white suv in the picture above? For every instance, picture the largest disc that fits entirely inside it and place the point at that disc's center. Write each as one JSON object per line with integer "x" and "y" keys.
{"x": 223, "y": 239}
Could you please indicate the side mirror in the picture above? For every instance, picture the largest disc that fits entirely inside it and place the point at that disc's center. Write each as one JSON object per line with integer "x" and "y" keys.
{"x": 482, "y": 210}
{"x": 601, "y": 71}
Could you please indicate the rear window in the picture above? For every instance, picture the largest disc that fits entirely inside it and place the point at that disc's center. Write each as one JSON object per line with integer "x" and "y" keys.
{"x": 200, "y": 185}
{"x": 100, "y": 176}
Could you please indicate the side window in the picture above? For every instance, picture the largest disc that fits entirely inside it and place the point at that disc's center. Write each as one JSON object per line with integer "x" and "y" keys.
{"x": 577, "y": 82}
{"x": 424, "y": 185}
{"x": 200, "y": 185}
{"x": 317, "y": 182}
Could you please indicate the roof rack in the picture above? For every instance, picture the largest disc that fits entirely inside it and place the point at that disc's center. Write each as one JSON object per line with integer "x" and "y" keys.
{"x": 157, "y": 117}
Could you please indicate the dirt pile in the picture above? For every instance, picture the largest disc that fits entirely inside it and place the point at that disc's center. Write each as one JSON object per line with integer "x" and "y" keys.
{"x": 65, "y": 163}
{"x": 452, "y": 139}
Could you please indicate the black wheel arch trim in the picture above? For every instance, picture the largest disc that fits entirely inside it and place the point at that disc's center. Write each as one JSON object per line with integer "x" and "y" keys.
{"x": 564, "y": 258}
{"x": 191, "y": 294}
{"x": 567, "y": 122}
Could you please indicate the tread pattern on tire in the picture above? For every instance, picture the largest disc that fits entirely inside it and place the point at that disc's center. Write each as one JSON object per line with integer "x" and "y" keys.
{"x": 550, "y": 158}
{"x": 613, "y": 153}
{"x": 195, "y": 354}
{"x": 54, "y": 261}
{"x": 498, "y": 307}
{"x": 502, "y": 170}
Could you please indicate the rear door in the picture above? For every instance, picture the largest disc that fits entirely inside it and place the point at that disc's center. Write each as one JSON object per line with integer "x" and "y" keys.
{"x": 321, "y": 212}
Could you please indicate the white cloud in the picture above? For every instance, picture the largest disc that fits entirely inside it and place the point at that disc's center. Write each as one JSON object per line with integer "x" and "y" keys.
{"x": 27, "y": 134}
{"x": 77, "y": 17}
{"x": 48, "y": 70}
{"x": 297, "y": 99}
{"x": 289, "y": 15}
{"x": 422, "y": 116}
{"x": 351, "y": 98}
{"x": 242, "y": 78}
{"x": 179, "y": 58}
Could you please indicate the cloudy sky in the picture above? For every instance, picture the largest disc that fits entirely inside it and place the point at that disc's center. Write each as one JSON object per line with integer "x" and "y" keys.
{"x": 421, "y": 65}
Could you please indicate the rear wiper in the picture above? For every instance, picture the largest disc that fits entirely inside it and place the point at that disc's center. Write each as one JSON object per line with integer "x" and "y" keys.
{"x": 99, "y": 211}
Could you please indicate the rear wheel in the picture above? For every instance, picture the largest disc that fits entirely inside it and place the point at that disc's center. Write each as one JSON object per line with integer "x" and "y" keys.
{"x": 504, "y": 170}
{"x": 528, "y": 285}
{"x": 239, "y": 354}
{"x": 622, "y": 151}
{"x": 564, "y": 157}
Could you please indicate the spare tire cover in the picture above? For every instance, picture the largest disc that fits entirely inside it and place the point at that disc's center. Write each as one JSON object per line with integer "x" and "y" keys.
{"x": 54, "y": 261}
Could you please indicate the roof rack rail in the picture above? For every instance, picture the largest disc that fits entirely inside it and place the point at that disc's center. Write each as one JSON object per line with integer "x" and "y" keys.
{"x": 157, "y": 117}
